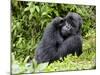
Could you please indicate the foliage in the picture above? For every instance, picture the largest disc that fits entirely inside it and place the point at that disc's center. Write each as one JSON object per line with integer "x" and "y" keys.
{"x": 86, "y": 61}
{"x": 28, "y": 21}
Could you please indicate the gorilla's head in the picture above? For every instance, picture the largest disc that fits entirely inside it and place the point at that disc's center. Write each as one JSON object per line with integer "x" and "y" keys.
{"x": 70, "y": 24}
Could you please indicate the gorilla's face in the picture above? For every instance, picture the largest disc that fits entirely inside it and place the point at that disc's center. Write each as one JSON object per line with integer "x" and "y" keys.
{"x": 66, "y": 28}
{"x": 70, "y": 24}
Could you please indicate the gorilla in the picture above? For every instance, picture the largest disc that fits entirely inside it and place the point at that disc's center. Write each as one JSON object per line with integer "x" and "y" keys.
{"x": 61, "y": 37}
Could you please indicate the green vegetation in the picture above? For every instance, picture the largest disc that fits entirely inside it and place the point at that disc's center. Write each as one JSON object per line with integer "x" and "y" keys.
{"x": 28, "y": 21}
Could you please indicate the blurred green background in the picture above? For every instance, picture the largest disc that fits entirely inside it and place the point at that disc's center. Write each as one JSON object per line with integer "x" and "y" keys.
{"x": 28, "y": 21}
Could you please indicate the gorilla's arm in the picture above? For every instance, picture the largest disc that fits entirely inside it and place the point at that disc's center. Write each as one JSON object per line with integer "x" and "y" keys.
{"x": 71, "y": 45}
{"x": 47, "y": 49}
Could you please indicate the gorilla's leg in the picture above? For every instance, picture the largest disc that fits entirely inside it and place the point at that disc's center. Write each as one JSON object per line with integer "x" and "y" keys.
{"x": 46, "y": 54}
{"x": 71, "y": 45}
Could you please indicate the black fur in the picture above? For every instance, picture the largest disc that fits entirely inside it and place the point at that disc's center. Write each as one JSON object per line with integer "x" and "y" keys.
{"x": 61, "y": 37}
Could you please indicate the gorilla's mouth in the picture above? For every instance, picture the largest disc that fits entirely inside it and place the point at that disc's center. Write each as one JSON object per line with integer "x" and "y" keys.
{"x": 65, "y": 33}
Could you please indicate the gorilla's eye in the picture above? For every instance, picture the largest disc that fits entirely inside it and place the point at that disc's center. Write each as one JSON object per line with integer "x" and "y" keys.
{"x": 70, "y": 17}
{"x": 73, "y": 25}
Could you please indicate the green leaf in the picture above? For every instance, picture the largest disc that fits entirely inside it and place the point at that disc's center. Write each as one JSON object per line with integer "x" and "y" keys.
{"x": 32, "y": 10}
{"x": 37, "y": 8}
{"x": 44, "y": 13}
{"x": 26, "y": 9}
{"x": 26, "y": 59}
{"x": 30, "y": 16}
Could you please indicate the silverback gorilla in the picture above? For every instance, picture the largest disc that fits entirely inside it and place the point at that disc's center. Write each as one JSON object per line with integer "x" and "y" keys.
{"x": 61, "y": 37}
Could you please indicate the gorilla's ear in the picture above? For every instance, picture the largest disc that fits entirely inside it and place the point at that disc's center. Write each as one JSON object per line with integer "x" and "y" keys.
{"x": 81, "y": 21}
